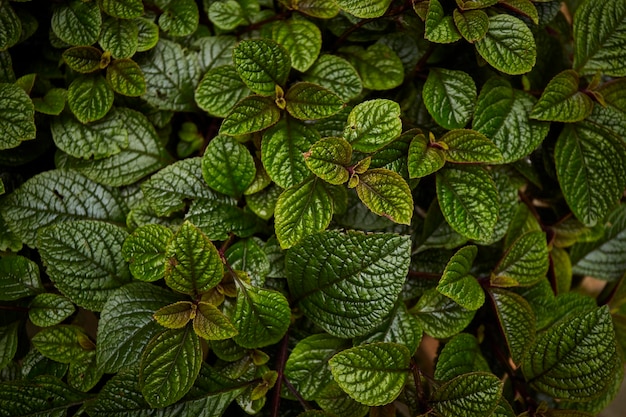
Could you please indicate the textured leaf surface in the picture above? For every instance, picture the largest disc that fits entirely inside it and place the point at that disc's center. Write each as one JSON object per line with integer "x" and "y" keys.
{"x": 400, "y": 327}
{"x": 373, "y": 124}
{"x": 219, "y": 216}
{"x": 49, "y": 309}
{"x": 323, "y": 9}
{"x": 449, "y": 97}
{"x": 262, "y": 64}
{"x": 219, "y": 90}
{"x": 90, "y": 98}
{"x": 77, "y": 22}
{"x": 440, "y": 28}
{"x": 525, "y": 261}
{"x": 472, "y": 25}
{"x": 387, "y": 194}
{"x": 65, "y": 343}
{"x": 456, "y": 282}
{"x": 379, "y": 66}
{"x": 461, "y": 355}
{"x": 301, "y": 38}
{"x": 328, "y": 159}
{"x": 517, "y": 321}
{"x": 307, "y": 101}
{"x": 227, "y": 166}
{"x": 19, "y": 278}
{"x": 227, "y": 14}
{"x": 372, "y": 374}
{"x": 175, "y": 316}
{"x": 180, "y": 17}
{"x": 126, "y": 78}
{"x": 148, "y": 34}
{"x": 119, "y": 37}
{"x": 10, "y": 26}
{"x": 17, "y": 121}
{"x": 465, "y": 145}
{"x": 215, "y": 51}
{"x": 145, "y": 250}
{"x": 363, "y": 8}
{"x": 561, "y": 101}
{"x": 211, "y": 324}
{"x": 335, "y": 74}
{"x": 125, "y": 9}
{"x": 423, "y": 159}
{"x": 351, "y": 297}
{"x": 83, "y": 59}
{"x": 469, "y": 395}
{"x": 252, "y": 114}
{"x": 8, "y": 343}
{"x": 440, "y": 316}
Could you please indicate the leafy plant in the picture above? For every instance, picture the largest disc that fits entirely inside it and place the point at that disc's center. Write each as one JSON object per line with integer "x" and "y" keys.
{"x": 256, "y": 206}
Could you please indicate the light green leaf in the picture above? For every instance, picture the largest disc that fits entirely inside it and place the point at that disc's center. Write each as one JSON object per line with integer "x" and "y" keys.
{"x": 400, "y": 327}
{"x": 335, "y": 74}
{"x": 56, "y": 196}
{"x": 302, "y": 210}
{"x": 145, "y": 250}
{"x": 424, "y": 159}
{"x": 211, "y": 324}
{"x": 323, "y": 9}
{"x": 48, "y": 309}
{"x": 456, "y": 282}
{"x": 126, "y": 324}
{"x": 179, "y": 17}
{"x": 126, "y": 78}
{"x": 307, "y": 101}
{"x": 83, "y": 258}
{"x": 449, "y": 97}
{"x": 262, "y": 64}
{"x": 440, "y": 316}
{"x": 10, "y": 26}
{"x": 252, "y": 114}
{"x": 379, "y": 66}
{"x": 263, "y": 203}
{"x": 599, "y": 38}
{"x": 226, "y": 14}
{"x": 469, "y": 395}
{"x": 465, "y": 145}
{"x": 363, "y": 8}
{"x": 373, "y": 124}
{"x": 387, "y": 194}
{"x": 439, "y": 27}
{"x": 90, "y": 98}
{"x": 508, "y": 46}
{"x": 372, "y": 374}
{"x": 502, "y": 114}
{"x": 574, "y": 359}
{"x": 124, "y": 9}
{"x": 119, "y": 37}
{"x": 262, "y": 317}
{"x": 561, "y": 101}
{"x": 148, "y": 35}
{"x": 19, "y": 278}
{"x": 169, "y": 366}
{"x": 472, "y": 25}
{"x": 517, "y": 322}
{"x": 215, "y": 51}
{"x": 301, "y": 38}
{"x": 591, "y": 168}
{"x": 461, "y": 355}
{"x": 52, "y": 103}
{"x": 17, "y": 121}
{"x": 469, "y": 200}
{"x": 561, "y": 268}
{"x": 352, "y": 297}
{"x": 63, "y": 343}
{"x": 227, "y": 166}
{"x": 83, "y": 59}
{"x": 77, "y": 22}
{"x": 176, "y": 315}
{"x": 193, "y": 264}
{"x": 328, "y": 159}
{"x": 8, "y": 343}
{"x": 524, "y": 263}
{"x": 219, "y": 90}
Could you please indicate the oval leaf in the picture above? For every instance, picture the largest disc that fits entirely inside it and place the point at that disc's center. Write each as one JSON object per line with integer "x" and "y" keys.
{"x": 328, "y": 159}
{"x": 387, "y": 194}
{"x": 469, "y": 395}
{"x": 335, "y": 74}
{"x": 219, "y": 90}
{"x": 308, "y": 101}
{"x": 524, "y": 263}
{"x": 373, "y": 124}
{"x": 301, "y": 38}
{"x": 449, "y": 97}
{"x": 423, "y": 159}
{"x": 145, "y": 250}
{"x": 90, "y": 98}
{"x": 465, "y": 145}
{"x": 227, "y": 166}
{"x": 456, "y": 282}
{"x": 561, "y": 101}
{"x": 211, "y": 324}
{"x": 126, "y": 78}
{"x": 49, "y": 309}
{"x": 252, "y": 114}
{"x": 17, "y": 121}
{"x": 262, "y": 64}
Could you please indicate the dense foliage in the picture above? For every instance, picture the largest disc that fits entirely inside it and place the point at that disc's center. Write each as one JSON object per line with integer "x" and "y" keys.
{"x": 260, "y": 206}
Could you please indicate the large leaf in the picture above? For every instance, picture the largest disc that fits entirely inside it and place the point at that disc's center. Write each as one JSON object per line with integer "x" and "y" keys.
{"x": 469, "y": 395}
{"x": 440, "y": 316}
{"x": 350, "y": 297}
{"x": 84, "y": 260}
{"x": 561, "y": 101}
{"x": 469, "y": 146}
{"x": 379, "y": 66}
{"x": 372, "y": 374}
{"x": 19, "y": 278}
{"x": 373, "y": 124}
{"x": 17, "y": 121}
{"x": 145, "y": 250}
{"x": 252, "y": 114}
{"x": 457, "y": 283}
{"x": 301, "y": 38}
{"x": 387, "y": 194}
{"x": 119, "y": 37}
{"x": 336, "y": 74}
{"x": 262, "y": 64}
{"x": 363, "y": 8}
{"x": 461, "y": 355}
{"x": 449, "y": 97}
{"x": 77, "y": 22}
{"x": 227, "y": 166}
{"x": 517, "y": 321}
{"x": 307, "y": 101}
{"x": 524, "y": 263}
{"x": 219, "y": 90}
{"x": 90, "y": 98}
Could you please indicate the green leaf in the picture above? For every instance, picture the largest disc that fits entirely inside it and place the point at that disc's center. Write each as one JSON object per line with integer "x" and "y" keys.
{"x": 437, "y": 233}
{"x": 179, "y": 17}
{"x": 363, "y": 8}
{"x": 77, "y": 22}
{"x": 472, "y": 25}
{"x": 145, "y": 250}
{"x": 604, "y": 258}
{"x": 372, "y": 374}
{"x": 461, "y": 355}
{"x": 477, "y": 4}
{"x": 193, "y": 264}
{"x": 215, "y": 51}
{"x": 373, "y": 124}
{"x": 34, "y": 364}
{"x": 282, "y": 148}
{"x": 302, "y": 210}
{"x": 126, "y": 78}
{"x": 591, "y": 167}
{"x": 252, "y": 114}
{"x": 328, "y": 159}
{"x": 353, "y": 296}
{"x": 211, "y": 324}
{"x": 465, "y": 145}
{"x": 400, "y": 327}
{"x": 63, "y": 343}
{"x": 524, "y": 263}
{"x": 83, "y": 59}
{"x": 83, "y": 258}
{"x": 469, "y": 200}
{"x": 126, "y": 324}
{"x": 169, "y": 366}
{"x": 226, "y": 14}
{"x": 449, "y": 97}
{"x": 440, "y": 316}
{"x": 52, "y": 103}
{"x": 469, "y": 395}
{"x": 219, "y": 217}
{"x": 323, "y": 9}
{"x": 148, "y": 35}
{"x": 19, "y": 278}
{"x": 46, "y": 198}
{"x": 599, "y": 38}
{"x": 379, "y": 66}
{"x": 301, "y": 38}
{"x": 119, "y": 37}
{"x": 227, "y": 166}
{"x": 17, "y": 121}
{"x": 439, "y": 27}
{"x": 561, "y": 101}
{"x": 10, "y": 26}
{"x": 574, "y": 359}
{"x": 335, "y": 74}
{"x": 508, "y": 46}
{"x": 334, "y": 401}
{"x": 502, "y": 114}
{"x": 387, "y": 194}
{"x": 263, "y": 203}
{"x": 48, "y": 309}
{"x": 90, "y": 98}
{"x": 523, "y": 7}
{"x": 124, "y": 9}
{"x": 83, "y": 374}
{"x": 8, "y": 343}
{"x": 262, "y": 64}
{"x": 517, "y": 321}
{"x": 423, "y": 159}
{"x": 456, "y": 282}
{"x": 248, "y": 256}
{"x": 307, "y": 101}
{"x": 541, "y": 299}
{"x": 220, "y": 89}
{"x": 176, "y": 315}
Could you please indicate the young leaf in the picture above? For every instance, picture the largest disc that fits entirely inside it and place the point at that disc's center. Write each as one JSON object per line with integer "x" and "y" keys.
{"x": 262, "y": 64}
{"x": 524, "y": 263}
{"x": 439, "y": 27}
{"x": 308, "y": 101}
{"x": 48, "y": 309}
{"x": 175, "y": 316}
{"x": 469, "y": 395}
{"x": 119, "y": 37}
{"x": 470, "y": 146}
{"x": 219, "y": 90}
{"x": 561, "y": 101}
{"x": 227, "y": 166}
{"x": 8, "y": 343}
{"x": 301, "y": 38}
{"x": 18, "y": 116}
{"x": 328, "y": 159}
{"x": 126, "y": 78}
{"x": 517, "y": 322}
{"x": 440, "y": 316}
{"x": 83, "y": 59}
{"x": 461, "y": 355}
{"x": 423, "y": 159}
{"x": 387, "y": 194}
{"x": 76, "y": 22}
{"x": 363, "y": 8}
{"x": 456, "y": 282}
{"x": 211, "y": 324}
{"x": 124, "y": 9}
{"x": 179, "y": 17}
{"x": 90, "y": 98}
{"x": 145, "y": 250}
{"x": 449, "y": 97}
{"x": 373, "y": 124}
{"x": 379, "y": 66}
{"x": 472, "y": 24}
{"x": 19, "y": 278}
{"x": 252, "y": 114}
{"x": 335, "y": 74}
{"x": 193, "y": 265}
{"x": 169, "y": 366}
{"x": 372, "y": 374}
{"x": 340, "y": 297}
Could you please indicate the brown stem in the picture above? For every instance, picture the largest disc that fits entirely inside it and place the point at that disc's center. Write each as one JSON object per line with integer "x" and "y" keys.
{"x": 280, "y": 369}
{"x": 305, "y": 404}
{"x": 419, "y": 390}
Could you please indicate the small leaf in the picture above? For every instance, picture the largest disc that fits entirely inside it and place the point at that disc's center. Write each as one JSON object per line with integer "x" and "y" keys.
{"x": 461, "y": 355}
{"x": 19, "y": 278}
{"x": 363, "y": 8}
{"x": 211, "y": 324}
{"x": 262, "y": 64}
{"x": 456, "y": 282}
{"x": 125, "y": 9}
{"x": 373, "y": 124}
{"x": 179, "y": 17}
{"x": 323, "y": 9}
{"x": 227, "y": 14}
{"x": 301, "y": 38}
{"x": 335, "y": 74}
{"x": 379, "y": 66}
{"x": 77, "y": 22}
{"x": 42, "y": 395}
{"x": 470, "y": 395}
{"x": 328, "y": 159}
{"x": 517, "y": 322}
{"x": 252, "y": 114}
{"x": 52, "y": 103}
{"x": 449, "y": 97}
{"x": 423, "y": 159}
{"x": 119, "y": 37}
{"x": 11, "y": 28}
{"x": 470, "y": 146}
{"x": 472, "y": 25}
{"x": 220, "y": 90}
{"x": 439, "y": 27}
{"x": 83, "y": 59}
{"x": 17, "y": 121}
{"x": 372, "y": 374}
{"x": 148, "y": 35}
{"x": 8, "y": 343}
{"x": 561, "y": 101}
{"x": 90, "y": 98}
{"x": 175, "y": 316}
{"x": 308, "y": 101}
{"x": 476, "y": 4}
{"x": 145, "y": 250}
{"x": 387, "y": 194}
{"x": 126, "y": 78}
{"x": 440, "y": 316}
{"x": 227, "y": 166}
{"x": 63, "y": 343}
{"x": 524, "y": 263}
{"x": 49, "y": 309}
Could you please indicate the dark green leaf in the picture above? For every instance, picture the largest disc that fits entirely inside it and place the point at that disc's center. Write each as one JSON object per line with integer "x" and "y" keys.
{"x": 307, "y": 101}
{"x": 8, "y": 343}
{"x": 119, "y": 37}
{"x": 19, "y": 278}
{"x": 83, "y": 374}
{"x": 248, "y": 256}
{"x": 90, "y": 98}
{"x": 219, "y": 90}
{"x": 219, "y": 216}
{"x": 145, "y": 250}
{"x": 125, "y": 9}
{"x": 63, "y": 343}
{"x": 52, "y": 103}
{"x": 49, "y": 309}
{"x": 461, "y": 355}
{"x": 400, "y": 327}
{"x": 179, "y": 17}
{"x": 472, "y": 25}
{"x": 252, "y": 114}
{"x": 77, "y": 22}
{"x": 524, "y": 263}
{"x": 465, "y": 145}
{"x": 523, "y": 7}
{"x": 301, "y": 38}
{"x": 378, "y": 66}
{"x": 517, "y": 322}
{"x": 387, "y": 194}
{"x": 439, "y": 27}
{"x": 469, "y": 395}
{"x": 373, "y": 124}
{"x": 148, "y": 34}
{"x": 227, "y": 166}
{"x": 10, "y": 26}
{"x": 440, "y": 316}
{"x": 456, "y": 282}
{"x": 262, "y": 64}
{"x": 126, "y": 78}
{"x": 449, "y": 97}
{"x": 335, "y": 74}
{"x": 83, "y": 59}
{"x": 561, "y": 101}
{"x": 17, "y": 121}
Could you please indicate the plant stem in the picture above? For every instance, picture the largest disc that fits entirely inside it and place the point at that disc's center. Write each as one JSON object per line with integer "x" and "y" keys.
{"x": 280, "y": 368}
